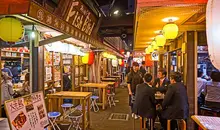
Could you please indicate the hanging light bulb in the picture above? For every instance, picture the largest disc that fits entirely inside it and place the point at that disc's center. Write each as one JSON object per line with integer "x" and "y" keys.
{"x": 160, "y": 40}
{"x": 170, "y": 30}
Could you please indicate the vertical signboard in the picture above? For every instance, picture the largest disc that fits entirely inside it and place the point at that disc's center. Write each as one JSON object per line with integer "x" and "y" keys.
{"x": 27, "y": 113}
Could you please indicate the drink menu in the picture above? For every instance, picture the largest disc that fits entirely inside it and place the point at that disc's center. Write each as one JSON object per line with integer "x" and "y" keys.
{"x": 27, "y": 113}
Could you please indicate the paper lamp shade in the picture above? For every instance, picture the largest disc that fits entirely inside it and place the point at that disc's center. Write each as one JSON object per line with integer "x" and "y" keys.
{"x": 148, "y": 60}
{"x": 122, "y": 63}
{"x": 154, "y": 44}
{"x": 170, "y": 31}
{"x": 11, "y": 30}
{"x": 147, "y": 51}
{"x": 150, "y": 48}
{"x": 114, "y": 63}
{"x": 91, "y": 58}
{"x": 160, "y": 40}
{"x": 85, "y": 59}
{"x": 122, "y": 51}
{"x": 213, "y": 31}
{"x": 88, "y": 58}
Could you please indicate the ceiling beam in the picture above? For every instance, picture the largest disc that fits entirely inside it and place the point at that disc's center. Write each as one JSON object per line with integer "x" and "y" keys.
{"x": 54, "y": 39}
{"x": 184, "y": 28}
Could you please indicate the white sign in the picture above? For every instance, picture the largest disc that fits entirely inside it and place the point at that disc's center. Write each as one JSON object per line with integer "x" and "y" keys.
{"x": 154, "y": 56}
{"x": 27, "y": 113}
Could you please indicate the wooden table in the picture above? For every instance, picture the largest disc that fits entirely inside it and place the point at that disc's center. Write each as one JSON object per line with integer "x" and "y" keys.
{"x": 83, "y": 96}
{"x": 109, "y": 79}
{"x": 4, "y": 124}
{"x": 102, "y": 86}
{"x": 207, "y": 122}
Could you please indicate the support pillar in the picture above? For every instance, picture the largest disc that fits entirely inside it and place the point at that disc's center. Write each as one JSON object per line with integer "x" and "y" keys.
{"x": 191, "y": 80}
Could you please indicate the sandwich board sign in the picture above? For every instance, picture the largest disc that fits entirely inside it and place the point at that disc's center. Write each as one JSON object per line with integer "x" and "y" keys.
{"x": 27, "y": 112}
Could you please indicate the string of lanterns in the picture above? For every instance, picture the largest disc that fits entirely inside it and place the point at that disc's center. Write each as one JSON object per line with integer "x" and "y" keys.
{"x": 109, "y": 56}
{"x": 169, "y": 32}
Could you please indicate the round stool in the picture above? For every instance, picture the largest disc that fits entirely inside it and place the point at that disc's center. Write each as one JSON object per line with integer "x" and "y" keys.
{"x": 52, "y": 119}
{"x": 66, "y": 107}
{"x": 94, "y": 105}
{"x": 75, "y": 120}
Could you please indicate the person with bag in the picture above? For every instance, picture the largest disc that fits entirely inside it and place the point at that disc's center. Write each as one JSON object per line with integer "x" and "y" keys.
{"x": 6, "y": 89}
{"x": 26, "y": 85}
{"x": 134, "y": 78}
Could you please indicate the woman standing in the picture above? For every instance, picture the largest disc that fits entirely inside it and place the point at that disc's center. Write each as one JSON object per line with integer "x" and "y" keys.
{"x": 6, "y": 89}
{"x": 26, "y": 85}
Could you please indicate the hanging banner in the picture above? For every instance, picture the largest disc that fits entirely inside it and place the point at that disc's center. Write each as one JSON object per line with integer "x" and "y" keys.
{"x": 148, "y": 60}
{"x": 27, "y": 113}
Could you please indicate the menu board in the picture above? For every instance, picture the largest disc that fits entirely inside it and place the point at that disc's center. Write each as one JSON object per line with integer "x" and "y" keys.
{"x": 27, "y": 113}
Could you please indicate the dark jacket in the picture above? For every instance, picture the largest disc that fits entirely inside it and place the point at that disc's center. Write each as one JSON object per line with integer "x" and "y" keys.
{"x": 145, "y": 103}
{"x": 143, "y": 71}
{"x": 162, "y": 88}
{"x": 134, "y": 78}
{"x": 67, "y": 85}
{"x": 175, "y": 104}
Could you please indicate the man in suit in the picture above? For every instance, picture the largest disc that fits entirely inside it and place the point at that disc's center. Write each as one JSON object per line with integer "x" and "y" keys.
{"x": 161, "y": 83}
{"x": 145, "y": 103}
{"x": 175, "y": 104}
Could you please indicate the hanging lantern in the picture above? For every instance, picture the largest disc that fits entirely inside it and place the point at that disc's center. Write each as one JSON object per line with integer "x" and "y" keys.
{"x": 150, "y": 48}
{"x": 148, "y": 60}
{"x": 85, "y": 59}
{"x": 122, "y": 63}
{"x": 11, "y": 30}
{"x": 155, "y": 47}
{"x": 114, "y": 63}
{"x": 122, "y": 51}
{"x": 213, "y": 31}
{"x": 91, "y": 58}
{"x": 160, "y": 40}
{"x": 170, "y": 30}
{"x": 119, "y": 61}
{"x": 147, "y": 51}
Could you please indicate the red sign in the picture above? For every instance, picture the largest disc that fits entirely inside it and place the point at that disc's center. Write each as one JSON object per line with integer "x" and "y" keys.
{"x": 148, "y": 60}
{"x": 14, "y": 6}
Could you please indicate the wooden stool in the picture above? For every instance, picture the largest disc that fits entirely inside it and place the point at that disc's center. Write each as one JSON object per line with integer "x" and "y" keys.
{"x": 143, "y": 120}
{"x": 183, "y": 126}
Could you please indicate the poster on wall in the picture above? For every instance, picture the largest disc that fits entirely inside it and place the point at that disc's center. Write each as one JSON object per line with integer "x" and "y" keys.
{"x": 27, "y": 113}
{"x": 154, "y": 56}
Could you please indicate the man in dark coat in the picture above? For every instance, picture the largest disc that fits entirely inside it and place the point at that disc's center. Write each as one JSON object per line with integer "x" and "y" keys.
{"x": 143, "y": 68}
{"x": 145, "y": 103}
{"x": 161, "y": 83}
{"x": 175, "y": 104}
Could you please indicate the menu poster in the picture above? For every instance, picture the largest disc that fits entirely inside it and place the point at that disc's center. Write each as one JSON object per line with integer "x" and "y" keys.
{"x": 27, "y": 113}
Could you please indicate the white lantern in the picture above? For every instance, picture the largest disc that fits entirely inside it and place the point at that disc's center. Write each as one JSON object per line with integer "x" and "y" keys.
{"x": 114, "y": 63}
{"x": 213, "y": 31}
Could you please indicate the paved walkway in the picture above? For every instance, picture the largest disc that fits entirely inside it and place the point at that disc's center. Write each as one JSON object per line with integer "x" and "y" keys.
{"x": 99, "y": 120}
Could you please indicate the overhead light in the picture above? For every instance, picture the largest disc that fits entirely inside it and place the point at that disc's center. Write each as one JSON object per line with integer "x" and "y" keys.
{"x": 116, "y": 12}
{"x": 169, "y": 19}
{"x": 33, "y": 35}
{"x": 170, "y": 30}
{"x": 152, "y": 38}
{"x": 160, "y": 40}
{"x": 148, "y": 42}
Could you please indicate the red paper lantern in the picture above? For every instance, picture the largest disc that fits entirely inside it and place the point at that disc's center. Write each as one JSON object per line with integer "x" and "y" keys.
{"x": 122, "y": 51}
{"x": 121, "y": 62}
{"x": 148, "y": 60}
{"x": 91, "y": 58}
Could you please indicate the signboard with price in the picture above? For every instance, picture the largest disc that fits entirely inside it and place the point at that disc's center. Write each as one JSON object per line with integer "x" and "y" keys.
{"x": 155, "y": 56}
{"x": 27, "y": 113}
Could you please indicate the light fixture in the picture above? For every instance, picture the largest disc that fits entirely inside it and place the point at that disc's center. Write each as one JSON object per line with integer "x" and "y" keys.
{"x": 152, "y": 38}
{"x": 154, "y": 44}
{"x": 116, "y": 12}
{"x": 150, "y": 48}
{"x": 147, "y": 51}
{"x": 157, "y": 32}
{"x": 167, "y": 19}
{"x": 32, "y": 34}
{"x": 170, "y": 30}
{"x": 160, "y": 40}
{"x": 213, "y": 30}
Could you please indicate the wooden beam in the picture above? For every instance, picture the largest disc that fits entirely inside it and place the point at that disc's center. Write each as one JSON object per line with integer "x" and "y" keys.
{"x": 54, "y": 39}
{"x": 184, "y": 28}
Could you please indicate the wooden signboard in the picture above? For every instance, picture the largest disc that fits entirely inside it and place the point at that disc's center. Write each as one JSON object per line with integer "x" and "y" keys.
{"x": 76, "y": 21}
{"x": 27, "y": 113}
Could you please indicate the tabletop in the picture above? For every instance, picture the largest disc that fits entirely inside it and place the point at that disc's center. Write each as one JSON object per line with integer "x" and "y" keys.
{"x": 71, "y": 94}
{"x": 207, "y": 122}
{"x": 92, "y": 85}
{"x": 4, "y": 124}
{"x": 109, "y": 83}
{"x": 110, "y": 79}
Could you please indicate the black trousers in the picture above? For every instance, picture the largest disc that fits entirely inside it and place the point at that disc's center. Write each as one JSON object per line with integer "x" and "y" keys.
{"x": 173, "y": 124}
{"x": 3, "y": 111}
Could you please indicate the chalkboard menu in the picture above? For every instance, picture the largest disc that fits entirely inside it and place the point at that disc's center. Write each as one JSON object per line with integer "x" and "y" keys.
{"x": 27, "y": 113}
